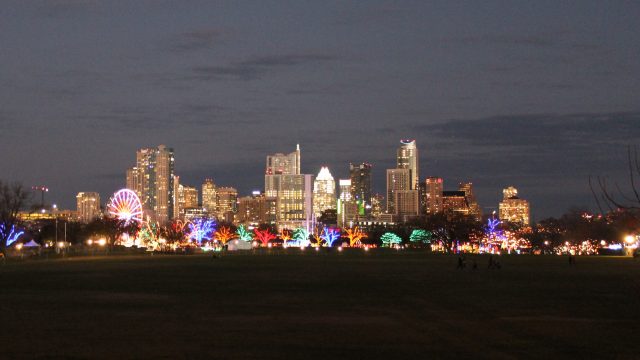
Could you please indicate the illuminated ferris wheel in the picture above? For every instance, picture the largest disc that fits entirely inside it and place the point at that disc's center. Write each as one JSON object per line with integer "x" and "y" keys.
{"x": 125, "y": 205}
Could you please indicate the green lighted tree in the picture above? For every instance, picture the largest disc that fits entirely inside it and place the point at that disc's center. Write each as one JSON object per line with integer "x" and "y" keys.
{"x": 388, "y": 239}
{"x": 244, "y": 234}
{"x": 301, "y": 236}
{"x": 420, "y": 236}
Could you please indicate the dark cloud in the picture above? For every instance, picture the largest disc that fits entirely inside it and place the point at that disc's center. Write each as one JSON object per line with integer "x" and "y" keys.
{"x": 256, "y": 67}
{"x": 534, "y": 40}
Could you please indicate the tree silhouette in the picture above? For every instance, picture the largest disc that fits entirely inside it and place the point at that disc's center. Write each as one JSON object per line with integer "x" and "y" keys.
{"x": 13, "y": 198}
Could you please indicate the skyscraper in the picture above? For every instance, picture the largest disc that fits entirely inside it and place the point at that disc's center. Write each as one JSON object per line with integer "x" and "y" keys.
{"x": 360, "y": 176}
{"x": 293, "y": 191}
{"x": 397, "y": 179}
{"x": 512, "y": 208}
{"x": 256, "y": 209}
{"x": 324, "y": 192}
{"x": 433, "y": 195}
{"x": 190, "y": 194}
{"x": 210, "y": 196}
{"x": 284, "y": 164}
{"x": 88, "y": 206}
{"x": 153, "y": 181}
{"x": 227, "y": 203}
{"x": 407, "y": 158}
{"x": 474, "y": 208}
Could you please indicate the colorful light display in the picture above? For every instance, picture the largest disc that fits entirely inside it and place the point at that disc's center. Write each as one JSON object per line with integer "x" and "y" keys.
{"x": 390, "y": 239}
{"x": 223, "y": 235}
{"x": 244, "y": 234}
{"x": 421, "y": 236}
{"x": 301, "y": 237}
{"x": 125, "y": 205}
{"x": 264, "y": 236}
{"x": 330, "y": 235}
{"x": 201, "y": 230}
{"x": 13, "y": 236}
{"x": 355, "y": 235}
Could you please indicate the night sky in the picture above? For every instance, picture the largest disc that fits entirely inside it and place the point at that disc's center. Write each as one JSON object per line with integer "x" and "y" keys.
{"x": 534, "y": 94}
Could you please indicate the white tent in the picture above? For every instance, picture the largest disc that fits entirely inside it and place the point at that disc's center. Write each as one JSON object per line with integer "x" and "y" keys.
{"x": 239, "y": 245}
{"x": 31, "y": 244}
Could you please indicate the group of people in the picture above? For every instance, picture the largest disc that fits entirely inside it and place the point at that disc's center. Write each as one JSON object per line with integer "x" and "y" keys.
{"x": 493, "y": 263}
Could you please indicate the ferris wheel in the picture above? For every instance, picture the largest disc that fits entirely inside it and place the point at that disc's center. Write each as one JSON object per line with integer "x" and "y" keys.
{"x": 125, "y": 205}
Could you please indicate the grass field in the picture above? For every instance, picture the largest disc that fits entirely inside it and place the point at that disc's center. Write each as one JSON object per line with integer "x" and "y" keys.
{"x": 376, "y": 305}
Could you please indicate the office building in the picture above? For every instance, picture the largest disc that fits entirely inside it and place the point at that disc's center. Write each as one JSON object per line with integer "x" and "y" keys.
{"x": 407, "y": 158}
{"x": 324, "y": 192}
{"x": 514, "y": 209}
{"x": 434, "y": 186}
{"x": 88, "y": 206}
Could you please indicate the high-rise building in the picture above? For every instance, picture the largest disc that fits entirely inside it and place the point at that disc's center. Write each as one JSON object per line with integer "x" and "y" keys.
{"x": 360, "y": 176}
{"x": 433, "y": 195}
{"x": 512, "y": 208}
{"x": 324, "y": 192}
{"x": 190, "y": 195}
{"x": 455, "y": 202}
{"x": 293, "y": 191}
{"x": 376, "y": 205}
{"x": 284, "y": 164}
{"x": 133, "y": 180}
{"x": 210, "y": 196}
{"x": 154, "y": 182}
{"x": 397, "y": 179}
{"x": 88, "y": 206}
{"x": 407, "y": 204}
{"x": 407, "y": 158}
{"x": 227, "y": 203}
{"x": 349, "y": 208}
{"x": 177, "y": 210}
{"x": 256, "y": 209}
{"x": 474, "y": 208}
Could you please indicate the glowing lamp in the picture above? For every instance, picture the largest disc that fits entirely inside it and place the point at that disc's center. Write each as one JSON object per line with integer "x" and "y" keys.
{"x": 19, "y": 247}
{"x": 629, "y": 239}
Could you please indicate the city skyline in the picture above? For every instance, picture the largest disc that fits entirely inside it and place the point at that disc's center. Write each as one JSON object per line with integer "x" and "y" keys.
{"x": 534, "y": 96}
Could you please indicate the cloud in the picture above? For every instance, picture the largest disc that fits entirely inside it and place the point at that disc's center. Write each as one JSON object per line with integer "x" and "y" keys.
{"x": 193, "y": 41}
{"x": 256, "y": 67}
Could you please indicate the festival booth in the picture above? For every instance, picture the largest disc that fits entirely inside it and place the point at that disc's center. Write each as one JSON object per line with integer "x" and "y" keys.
{"x": 239, "y": 245}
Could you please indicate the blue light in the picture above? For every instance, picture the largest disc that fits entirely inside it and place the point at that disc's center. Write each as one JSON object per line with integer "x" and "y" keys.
{"x": 330, "y": 235}
{"x": 13, "y": 236}
{"x": 201, "y": 230}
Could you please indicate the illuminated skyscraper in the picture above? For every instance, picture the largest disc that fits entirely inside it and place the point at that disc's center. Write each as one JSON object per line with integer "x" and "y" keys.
{"x": 324, "y": 192}
{"x": 513, "y": 209}
{"x": 407, "y": 158}
{"x": 397, "y": 179}
{"x": 227, "y": 203}
{"x": 455, "y": 203}
{"x": 474, "y": 208}
{"x": 88, "y": 206}
{"x": 293, "y": 191}
{"x": 360, "y": 176}
{"x": 256, "y": 209}
{"x": 284, "y": 164}
{"x": 190, "y": 197}
{"x": 154, "y": 182}
{"x": 210, "y": 196}
{"x": 433, "y": 195}
{"x": 407, "y": 204}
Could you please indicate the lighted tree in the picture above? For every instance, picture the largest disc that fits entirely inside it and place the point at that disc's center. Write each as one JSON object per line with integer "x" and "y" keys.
{"x": 330, "y": 235}
{"x": 201, "y": 230}
{"x": 420, "y": 236}
{"x": 301, "y": 236}
{"x": 149, "y": 235}
{"x": 224, "y": 234}
{"x": 390, "y": 239}
{"x": 13, "y": 198}
{"x": 285, "y": 235}
{"x": 244, "y": 234}
{"x": 317, "y": 236}
{"x": 355, "y": 235}
{"x": 264, "y": 236}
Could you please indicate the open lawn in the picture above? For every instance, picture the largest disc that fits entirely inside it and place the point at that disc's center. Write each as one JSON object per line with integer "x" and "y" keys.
{"x": 376, "y": 305}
